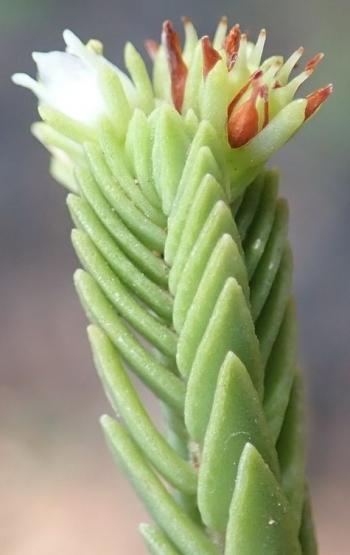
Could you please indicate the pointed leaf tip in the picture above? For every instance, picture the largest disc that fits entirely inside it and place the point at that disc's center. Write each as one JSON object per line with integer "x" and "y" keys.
{"x": 210, "y": 55}
{"x": 315, "y": 99}
{"x": 177, "y": 66}
{"x": 152, "y": 48}
{"x": 313, "y": 62}
{"x": 186, "y": 20}
{"x": 232, "y": 45}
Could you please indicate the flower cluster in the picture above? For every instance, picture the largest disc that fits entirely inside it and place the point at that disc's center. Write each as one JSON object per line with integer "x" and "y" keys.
{"x": 258, "y": 90}
{"x": 249, "y": 102}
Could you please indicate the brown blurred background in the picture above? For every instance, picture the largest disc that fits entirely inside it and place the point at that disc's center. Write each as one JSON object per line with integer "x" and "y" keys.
{"x": 60, "y": 493}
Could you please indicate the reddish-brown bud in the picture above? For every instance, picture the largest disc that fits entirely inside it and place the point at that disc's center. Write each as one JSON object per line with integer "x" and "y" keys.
{"x": 210, "y": 55}
{"x": 232, "y": 45}
{"x": 315, "y": 99}
{"x": 152, "y": 48}
{"x": 243, "y": 124}
{"x": 255, "y": 76}
{"x": 311, "y": 64}
{"x": 177, "y": 67}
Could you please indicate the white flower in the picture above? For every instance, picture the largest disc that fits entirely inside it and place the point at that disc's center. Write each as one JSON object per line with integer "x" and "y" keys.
{"x": 68, "y": 81}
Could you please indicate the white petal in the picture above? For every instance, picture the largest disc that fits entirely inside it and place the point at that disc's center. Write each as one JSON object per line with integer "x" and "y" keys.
{"x": 68, "y": 81}
{"x": 65, "y": 85}
{"x": 69, "y": 86}
{"x": 76, "y": 47}
{"x": 24, "y": 80}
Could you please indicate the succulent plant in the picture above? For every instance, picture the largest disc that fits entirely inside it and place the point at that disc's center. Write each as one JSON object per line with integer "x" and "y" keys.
{"x": 187, "y": 276}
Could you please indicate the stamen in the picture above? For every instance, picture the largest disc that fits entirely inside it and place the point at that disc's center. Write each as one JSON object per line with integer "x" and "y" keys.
{"x": 315, "y": 99}
{"x": 232, "y": 45}
{"x": 178, "y": 68}
{"x": 95, "y": 46}
{"x": 210, "y": 55}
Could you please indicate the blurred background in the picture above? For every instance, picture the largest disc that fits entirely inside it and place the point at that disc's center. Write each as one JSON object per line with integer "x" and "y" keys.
{"x": 60, "y": 492}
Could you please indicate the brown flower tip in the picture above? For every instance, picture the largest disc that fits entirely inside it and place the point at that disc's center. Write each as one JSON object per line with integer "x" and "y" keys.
{"x": 177, "y": 67}
{"x": 232, "y": 45}
{"x": 315, "y": 99}
{"x": 311, "y": 64}
{"x": 255, "y": 76}
{"x": 152, "y": 48}
{"x": 243, "y": 123}
{"x": 210, "y": 55}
